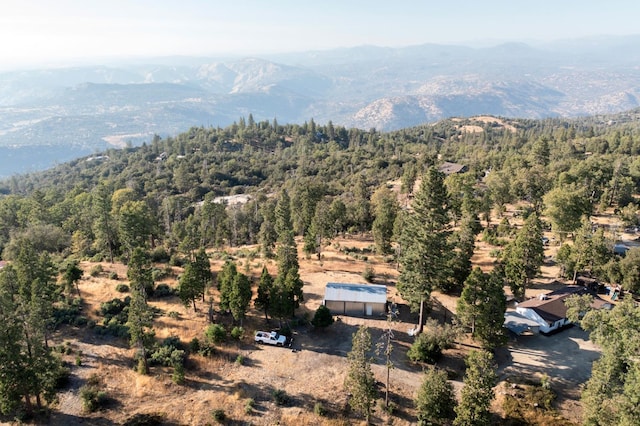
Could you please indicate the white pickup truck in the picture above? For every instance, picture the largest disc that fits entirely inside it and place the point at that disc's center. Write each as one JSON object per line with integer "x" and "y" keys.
{"x": 270, "y": 338}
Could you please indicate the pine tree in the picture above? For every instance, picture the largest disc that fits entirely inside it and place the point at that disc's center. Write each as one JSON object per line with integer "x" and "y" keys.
{"x": 140, "y": 319}
{"x": 105, "y": 228}
{"x": 360, "y": 382}
{"x": 71, "y": 275}
{"x": 267, "y": 236}
{"x": 263, "y": 299}
{"x": 477, "y": 393}
{"x": 481, "y": 307}
{"x": 424, "y": 243}
{"x": 28, "y": 368}
{"x": 203, "y": 272}
{"x": 225, "y": 284}
{"x": 435, "y": 400}
{"x": 240, "y": 297}
{"x": 189, "y": 286}
{"x": 283, "y": 215}
{"x": 523, "y": 257}
{"x": 386, "y": 209}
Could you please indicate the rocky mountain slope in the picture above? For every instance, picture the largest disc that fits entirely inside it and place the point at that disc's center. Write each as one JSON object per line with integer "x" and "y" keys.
{"x": 74, "y": 111}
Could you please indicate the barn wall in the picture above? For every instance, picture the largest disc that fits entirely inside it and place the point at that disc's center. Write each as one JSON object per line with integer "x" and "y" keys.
{"x": 355, "y": 309}
{"x": 336, "y": 307}
{"x": 378, "y": 309}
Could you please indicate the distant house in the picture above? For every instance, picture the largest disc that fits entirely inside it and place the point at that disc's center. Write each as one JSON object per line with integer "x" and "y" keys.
{"x": 549, "y": 310}
{"x": 452, "y": 168}
{"x": 356, "y": 299}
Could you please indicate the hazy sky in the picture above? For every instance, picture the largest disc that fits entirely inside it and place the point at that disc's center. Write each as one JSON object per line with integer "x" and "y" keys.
{"x": 59, "y": 31}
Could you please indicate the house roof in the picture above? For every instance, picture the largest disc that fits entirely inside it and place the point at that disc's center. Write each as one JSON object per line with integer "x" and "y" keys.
{"x": 365, "y": 293}
{"x": 451, "y": 168}
{"x": 519, "y": 323}
{"x": 551, "y": 306}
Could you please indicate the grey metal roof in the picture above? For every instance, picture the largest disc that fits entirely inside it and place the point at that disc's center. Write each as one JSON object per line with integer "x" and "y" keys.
{"x": 519, "y": 323}
{"x": 366, "y": 293}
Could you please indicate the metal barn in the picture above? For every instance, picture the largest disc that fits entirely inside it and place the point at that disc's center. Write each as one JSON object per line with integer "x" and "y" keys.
{"x": 356, "y": 299}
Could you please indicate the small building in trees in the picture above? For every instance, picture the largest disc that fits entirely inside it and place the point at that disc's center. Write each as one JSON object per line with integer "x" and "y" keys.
{"x": 549, "y": 310}
{"x": 356, "y": 299}
{"x": 452, "y": 168}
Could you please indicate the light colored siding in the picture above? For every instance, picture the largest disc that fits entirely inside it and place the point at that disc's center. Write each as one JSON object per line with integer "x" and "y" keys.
{"x": 336, "y": 307}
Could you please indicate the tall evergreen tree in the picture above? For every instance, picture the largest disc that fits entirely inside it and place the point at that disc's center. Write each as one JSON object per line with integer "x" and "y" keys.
{"x": 477, "y": 393}
{"x": 140, "y": 319}
{"x": 523, "y": 257}
{"x": 360, "y": 382}
{"x": 360, "y": 207}
{"x": 263, "y": 299}
{"x": 27, "y": 294}
{"x": 424, "y": 243}
{"x": 481, "y": 307}
{"x": 240, "y": 297}
{"x": 268, "y": 236}
{"x": 283, "y": 223}
{"x": 610, "y": 396}
{"x": 105, "y": 228}
{"x": 203, "y": 272}
{"x": 385, "y": 211}
{"x": 435, "y": 400}
{"x": 189, "y": 286}
{"x": 226, "y": 277}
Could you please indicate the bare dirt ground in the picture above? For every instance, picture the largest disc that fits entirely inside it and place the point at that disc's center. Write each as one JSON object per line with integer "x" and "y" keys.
{"x": 312, "y": 372}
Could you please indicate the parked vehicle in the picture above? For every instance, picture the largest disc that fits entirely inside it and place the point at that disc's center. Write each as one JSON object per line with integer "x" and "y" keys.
{"x": 270, "y": 338}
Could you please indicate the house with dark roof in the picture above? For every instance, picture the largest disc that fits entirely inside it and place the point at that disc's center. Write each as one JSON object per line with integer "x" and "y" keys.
{"x": 549, "y": 310}
{"x": 356, "y": 299}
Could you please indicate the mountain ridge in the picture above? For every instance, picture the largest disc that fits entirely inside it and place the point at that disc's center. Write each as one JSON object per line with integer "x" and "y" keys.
{"x": 364, "y": 87}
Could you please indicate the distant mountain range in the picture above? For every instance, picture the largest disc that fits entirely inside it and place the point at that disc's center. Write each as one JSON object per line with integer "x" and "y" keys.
{"x": 52, "y": 115}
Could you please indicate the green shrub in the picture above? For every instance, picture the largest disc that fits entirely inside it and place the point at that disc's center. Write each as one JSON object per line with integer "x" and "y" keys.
{"x": 429, "y": 345}
{"x": 249, "y": 406}
{"x": 92, "y": 397}
{"x": 163, "y": 290}
{"x": 285, "y": 330}
{"x": 68, "y": 314}
{"x": 240, "y": 360}
{"x": 122, "y": 288}
{"x": 369, "y": 274}
{"x": 194, "y": 345}
{"x": 160, "y": 255}
{"x": 319, "y": 409}
{"x": 280, "y": 397}
{"x": 176, "y": 260}
{"x": 113, "y": 275}
{"x": 216, "y": 334}
{"x": 219, "y": 415}
{"x": 114, "y": 306}
{"x": 207, "y": 351}
{"x": 322, "y": 317}
{"x": 178, "y": 374}
{"x": 96, "y": 270}
{"x": 146, "y": 419}
{"x": 237, "y": 333}
{"x": 173, "y": 314}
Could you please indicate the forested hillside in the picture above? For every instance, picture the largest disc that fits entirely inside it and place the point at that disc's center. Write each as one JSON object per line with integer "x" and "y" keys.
{"x": 165, "y": 180}
{"x": 271, "y": 185}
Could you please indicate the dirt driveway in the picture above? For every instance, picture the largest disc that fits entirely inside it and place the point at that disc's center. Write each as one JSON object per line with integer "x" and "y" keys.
{"x": 566, "y": 357}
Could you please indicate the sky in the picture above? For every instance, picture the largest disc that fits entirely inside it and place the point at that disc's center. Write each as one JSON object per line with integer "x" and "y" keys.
{"x": 40, "y": 32}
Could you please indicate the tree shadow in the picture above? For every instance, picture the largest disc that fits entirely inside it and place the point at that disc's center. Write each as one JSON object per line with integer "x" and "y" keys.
{"x": 566, "y": 357}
